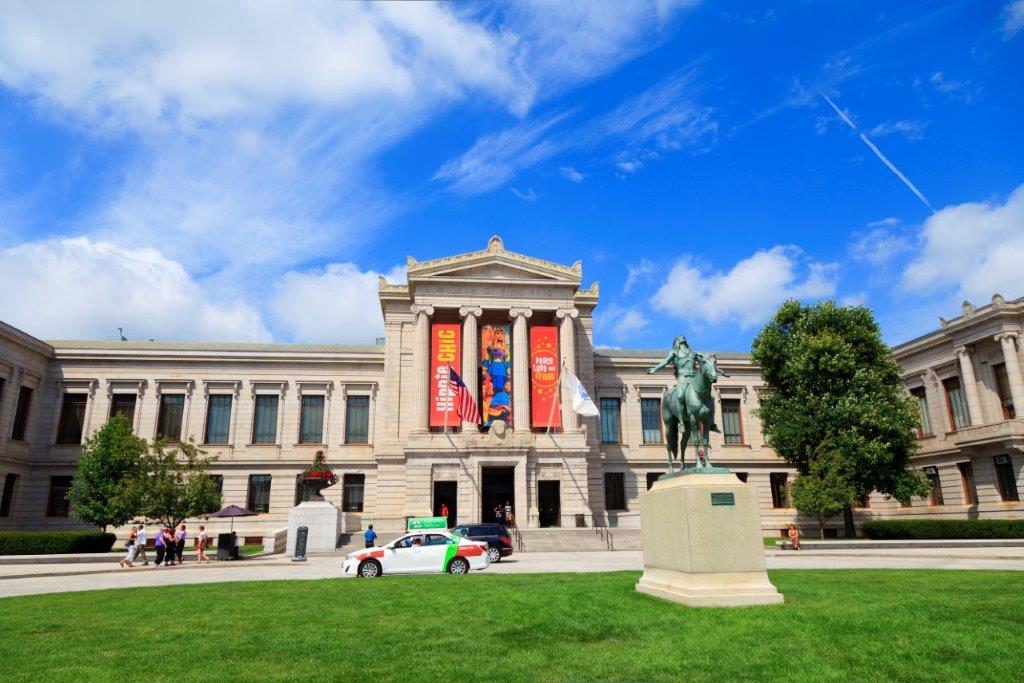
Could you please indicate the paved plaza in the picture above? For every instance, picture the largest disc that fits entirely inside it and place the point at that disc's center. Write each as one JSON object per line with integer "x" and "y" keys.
{"x": 29, "y": 579}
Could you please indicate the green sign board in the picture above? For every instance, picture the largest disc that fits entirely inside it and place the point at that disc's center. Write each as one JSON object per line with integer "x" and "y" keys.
{"x": 420, "y": 523}
{"x": 723, "y": 499}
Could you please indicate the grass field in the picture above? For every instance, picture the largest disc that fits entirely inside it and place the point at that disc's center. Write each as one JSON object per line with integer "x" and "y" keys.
{"x": 835, "y": 625}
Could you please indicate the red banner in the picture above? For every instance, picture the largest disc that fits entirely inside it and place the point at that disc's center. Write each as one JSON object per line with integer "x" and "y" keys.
{"x": 544, "y": 408}
{"x": 445, "y": 350}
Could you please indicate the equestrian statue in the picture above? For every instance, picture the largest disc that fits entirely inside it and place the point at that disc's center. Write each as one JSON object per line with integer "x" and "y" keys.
{"x": 689, "y": 403}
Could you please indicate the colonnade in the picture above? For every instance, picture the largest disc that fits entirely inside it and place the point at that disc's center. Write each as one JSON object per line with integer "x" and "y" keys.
{"x": 519, "y": 317}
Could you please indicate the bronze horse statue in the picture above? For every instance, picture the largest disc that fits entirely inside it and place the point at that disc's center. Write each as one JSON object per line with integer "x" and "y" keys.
{"x": 691, "y": 406}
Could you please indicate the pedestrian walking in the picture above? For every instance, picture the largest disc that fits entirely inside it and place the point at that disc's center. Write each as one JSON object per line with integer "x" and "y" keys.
{"x": 202, "y": 540}
{"x": 130, "y": 545}
{"x": 370, "y": 537}
{"x": 444, "y": 512}
{"x": 179, "y": 543}
{"x": 159, "y": 542}
{"x": 508, "y": 514}
{"x": 794, "y": 537}
{"x": 497, "y": 513}
{"x": 140, "y": 545}
{"x": 169, "y": 546}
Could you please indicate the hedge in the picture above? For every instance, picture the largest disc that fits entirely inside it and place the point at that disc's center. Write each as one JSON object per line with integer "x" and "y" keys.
{"x": 54, "y": 542}
{"x": 921, "y": 529}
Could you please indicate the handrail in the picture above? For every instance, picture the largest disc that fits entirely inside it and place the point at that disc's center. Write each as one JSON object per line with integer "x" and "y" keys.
{"x": 606, "y": 536}
{"x": 517, "y": 536}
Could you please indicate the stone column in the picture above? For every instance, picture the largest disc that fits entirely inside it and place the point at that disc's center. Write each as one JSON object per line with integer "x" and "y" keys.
{"x": 471, "y": 349}
{"x": 1013, "y": 373}
{"x": 567, "y": 354}
{"x": 520, "y": 369}
{"x": 970, "y": 385}
{"x": 421, "y": 366}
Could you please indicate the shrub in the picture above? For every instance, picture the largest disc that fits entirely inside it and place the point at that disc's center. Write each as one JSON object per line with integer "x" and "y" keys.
{"x": 54, "y": 542}
{"x": 921, "y": 529}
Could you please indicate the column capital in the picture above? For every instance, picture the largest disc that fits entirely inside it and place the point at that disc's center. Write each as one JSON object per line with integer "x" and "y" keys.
{"x": 562, "y": 313}
{"x": 961, "y": 351}
{"x": 517, "y": 311}
{"x": 1007, "y": 334}
{"x": 474, "y": 311}
{"x": 422, "y": 308}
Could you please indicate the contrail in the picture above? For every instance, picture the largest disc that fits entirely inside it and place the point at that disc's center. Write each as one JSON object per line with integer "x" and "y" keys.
{"x": 878, "y": 153}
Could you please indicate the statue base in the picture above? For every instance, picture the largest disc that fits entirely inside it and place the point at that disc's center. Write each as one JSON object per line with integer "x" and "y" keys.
{"x": 702, "y": 541}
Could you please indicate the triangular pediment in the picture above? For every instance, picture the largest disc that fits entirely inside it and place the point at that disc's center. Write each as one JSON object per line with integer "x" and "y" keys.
{"x": 494, "y": 264}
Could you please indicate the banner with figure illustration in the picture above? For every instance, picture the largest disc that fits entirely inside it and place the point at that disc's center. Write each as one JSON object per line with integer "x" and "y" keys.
{"x": 445, "y": 350}
{"x": 544, "y": 403}
{"x": 495, "y": 374}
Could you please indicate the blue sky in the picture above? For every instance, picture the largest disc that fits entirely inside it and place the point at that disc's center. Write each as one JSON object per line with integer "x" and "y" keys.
{"x": 246, "y": 171}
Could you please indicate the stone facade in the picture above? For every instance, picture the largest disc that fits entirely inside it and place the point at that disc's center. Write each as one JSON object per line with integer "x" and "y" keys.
{"x": 558, "y": 477}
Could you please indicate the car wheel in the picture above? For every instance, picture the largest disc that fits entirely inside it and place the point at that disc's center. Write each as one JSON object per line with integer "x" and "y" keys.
{"x": 458, "y": 565}
{"x": 369, "y": 569}
{"x": 494, "y": 555}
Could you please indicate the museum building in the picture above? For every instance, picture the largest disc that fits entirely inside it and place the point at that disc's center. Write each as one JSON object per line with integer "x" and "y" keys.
{"x": 510, "y": 325}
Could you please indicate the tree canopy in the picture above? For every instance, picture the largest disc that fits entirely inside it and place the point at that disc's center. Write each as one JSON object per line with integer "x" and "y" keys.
{"x": 835, "y": 391}
{"x": 101, "y": 492}
{"x": 173, "y": 484}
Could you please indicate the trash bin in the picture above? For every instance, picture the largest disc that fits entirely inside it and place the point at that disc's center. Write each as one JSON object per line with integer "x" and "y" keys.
{"x": 226, "y": 549}
{"x": 581, "y": 521}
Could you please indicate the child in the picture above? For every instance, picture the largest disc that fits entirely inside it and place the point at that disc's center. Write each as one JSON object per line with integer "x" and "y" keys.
{"x": 794, "y": 537}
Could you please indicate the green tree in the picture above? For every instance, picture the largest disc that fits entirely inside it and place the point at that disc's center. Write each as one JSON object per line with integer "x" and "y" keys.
{"x": 822, "y": 493}
{"x": 835, "y": 391}
{"x": 173, "y": 484}
{"x": 102, "y": 492}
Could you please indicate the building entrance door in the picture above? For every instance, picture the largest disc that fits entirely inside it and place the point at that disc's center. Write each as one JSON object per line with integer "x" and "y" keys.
{"x": 497, "y": 488}
{"x": 446, "y": 493}
{"x": 549, "y": 503}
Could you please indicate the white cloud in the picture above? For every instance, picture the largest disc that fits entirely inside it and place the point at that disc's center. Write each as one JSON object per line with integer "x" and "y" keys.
{"x": 497, "y": 157}
{"x": 141, "y": 64}
{"x": 911, "y": 130}
{"x": 858, "y": 299}
{"x": 974, "y": 248}
{"x": 749, "y": 292}
{"x": 571, "y": 41}
{"x": 1013, "y": 18}
{"x": 639, "y": 273}
{"x": 528, "y": 196}
{"x": 881, "y": 242}
{"x": 570, "y": 173}
{"x": 629, "y": 166}
{"x": 954, "y": 89}
{"x": 335, "y": 304}
{"x": 68, "y": 288}
{"x": 621, "y": 322}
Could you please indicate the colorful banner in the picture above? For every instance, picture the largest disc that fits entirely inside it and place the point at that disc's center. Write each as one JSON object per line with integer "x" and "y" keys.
{"x": 445, "y": 350}
{"x": 544, "y": 403}
{"x": 495, "y": 374}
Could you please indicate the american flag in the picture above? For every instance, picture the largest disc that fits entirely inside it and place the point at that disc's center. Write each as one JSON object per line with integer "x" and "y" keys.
{"x": 465, "y": 405}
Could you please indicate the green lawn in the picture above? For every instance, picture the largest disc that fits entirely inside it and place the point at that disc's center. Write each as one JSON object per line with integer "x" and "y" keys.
{"x": 836, "y": 625}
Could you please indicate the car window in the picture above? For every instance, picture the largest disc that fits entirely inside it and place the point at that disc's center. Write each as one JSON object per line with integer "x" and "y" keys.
{"x": 478, "y": 531}
{"x": 461, "y": 531}
{"x": 437, "y": 539}
{"x": 408, "y": 541}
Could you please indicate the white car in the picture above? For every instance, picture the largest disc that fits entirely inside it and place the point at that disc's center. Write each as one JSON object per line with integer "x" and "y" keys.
{"x": 419, "y": 552}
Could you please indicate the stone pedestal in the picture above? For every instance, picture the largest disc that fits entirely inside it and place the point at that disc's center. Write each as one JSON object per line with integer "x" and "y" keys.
{"x": 322, "y": 519}
{"x": 703, "y": 544}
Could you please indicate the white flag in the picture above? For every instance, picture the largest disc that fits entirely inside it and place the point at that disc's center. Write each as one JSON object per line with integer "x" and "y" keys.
{"x": 582, "y": 404}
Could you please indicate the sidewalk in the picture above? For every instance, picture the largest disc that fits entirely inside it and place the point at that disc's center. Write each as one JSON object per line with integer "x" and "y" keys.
{"x": 277, "y": 567}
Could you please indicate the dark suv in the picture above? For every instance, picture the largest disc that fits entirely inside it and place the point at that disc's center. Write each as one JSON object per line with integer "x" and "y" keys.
{"x": 499, "y": 543}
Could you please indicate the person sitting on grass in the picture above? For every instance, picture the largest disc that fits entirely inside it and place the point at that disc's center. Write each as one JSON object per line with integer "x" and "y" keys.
{"x": 794, "y": 537}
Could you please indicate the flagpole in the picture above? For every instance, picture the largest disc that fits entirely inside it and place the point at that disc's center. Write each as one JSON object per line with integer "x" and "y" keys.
{"x": 558, "y": 385}
{"x": 447, "y": 396}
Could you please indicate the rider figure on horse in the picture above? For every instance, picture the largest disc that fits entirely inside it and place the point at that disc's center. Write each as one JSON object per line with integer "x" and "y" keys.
{"x": 686, "y": 362}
